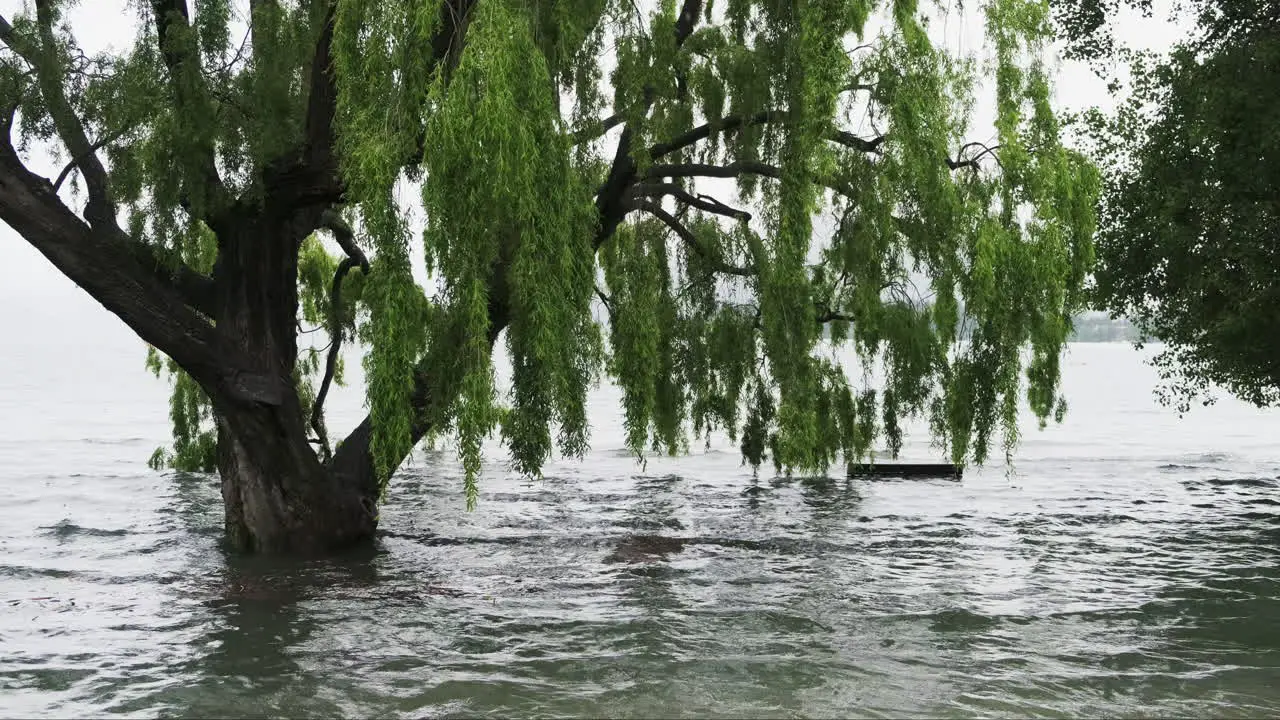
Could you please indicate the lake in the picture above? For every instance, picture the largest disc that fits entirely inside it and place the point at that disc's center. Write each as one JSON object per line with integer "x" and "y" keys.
{"x": 1129, "y": 566}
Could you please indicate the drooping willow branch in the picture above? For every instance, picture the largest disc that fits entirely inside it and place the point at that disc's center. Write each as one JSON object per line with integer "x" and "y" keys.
{"x": 334, "y": 223}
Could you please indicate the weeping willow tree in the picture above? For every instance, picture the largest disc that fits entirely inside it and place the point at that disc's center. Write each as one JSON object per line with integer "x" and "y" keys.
{"x": 240, "y": 175}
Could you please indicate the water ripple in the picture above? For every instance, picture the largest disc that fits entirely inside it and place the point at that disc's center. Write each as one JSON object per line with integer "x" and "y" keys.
{"x": 1092, "y": 584}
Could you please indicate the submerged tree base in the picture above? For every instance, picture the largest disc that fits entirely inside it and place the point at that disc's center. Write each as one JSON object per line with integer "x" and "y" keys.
{"x": 284, "y": 502}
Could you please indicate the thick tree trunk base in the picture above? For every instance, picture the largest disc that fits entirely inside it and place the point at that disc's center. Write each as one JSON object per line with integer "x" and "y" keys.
{"x": 280, "y": 500}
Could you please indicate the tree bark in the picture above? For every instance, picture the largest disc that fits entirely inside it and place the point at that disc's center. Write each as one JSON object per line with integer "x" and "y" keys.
{"x": 278, "y": 497}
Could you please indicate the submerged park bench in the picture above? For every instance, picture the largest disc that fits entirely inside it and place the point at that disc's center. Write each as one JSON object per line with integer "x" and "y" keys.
{"x": 946, "y": 471}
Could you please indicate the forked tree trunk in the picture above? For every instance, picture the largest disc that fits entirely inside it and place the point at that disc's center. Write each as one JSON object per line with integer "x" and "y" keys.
{"x": 278, "y": 497}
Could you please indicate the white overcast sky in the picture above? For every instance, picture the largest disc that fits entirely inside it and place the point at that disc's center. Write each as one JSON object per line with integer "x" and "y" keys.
{"x": 34, "y": 297}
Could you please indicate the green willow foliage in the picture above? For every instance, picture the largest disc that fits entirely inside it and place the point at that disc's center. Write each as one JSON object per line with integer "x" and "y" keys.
{"x": 696, "y": 348}
{"x": 565, "y": 155}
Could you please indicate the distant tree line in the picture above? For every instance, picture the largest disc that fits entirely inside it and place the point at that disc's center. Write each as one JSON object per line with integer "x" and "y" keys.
{"x": 1098, "y": 327}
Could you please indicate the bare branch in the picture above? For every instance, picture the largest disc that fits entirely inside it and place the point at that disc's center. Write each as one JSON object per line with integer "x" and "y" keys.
{"x": 739, "y": 168}
{"x": 704, "y": 131}
{"x": 598, "y": 128}
{"x": 685, "y": 234}
{"x": 606, "y": 300}
{"x": 701, "y": 202}
{"x": 732, "y": 170}
{"x": 850, "y": 140}
{"x": 974, "y": 161}
{"x": 335, "y": 349}
{"x": 343, "y": 234}
{"x": 322, "y": 102}
{"x": 736, "y": 122}
{"x": 828, "y": 315}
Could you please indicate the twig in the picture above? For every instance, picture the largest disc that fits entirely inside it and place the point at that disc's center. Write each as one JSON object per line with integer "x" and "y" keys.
{"x": 79, "y": 160}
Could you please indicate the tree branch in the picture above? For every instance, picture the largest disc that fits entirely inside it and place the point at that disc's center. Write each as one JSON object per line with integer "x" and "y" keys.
{"x": 765, "y": 117}
{"x": 598, "y": 128}
{"x": 828, "y": 315}
{"x": 335, "y": 349}
{"x": 341, "y": 231}
{"x": 605, "y": 300}
{"x": 198, "y": 291}
{"x": 190, "y": 95}
{"x": 102, "y": 263}
{"x": 195, "y": 288}
{"x": 732, "y": 170}
{"x": 701, "y": 202}
{"x": 322, "y": 103}
{"x": 310, "y": 175}
{"x": 344, "y": 236}
{"x": 685, "y": 234}
{"x": 99, "y": 210}
{"x": 973, "y": 161}
{"x": 75, "y": 162}
{"x": 704, "y": 131}
{"x": 611, "y": 202}
{"x": 849, "y": 140}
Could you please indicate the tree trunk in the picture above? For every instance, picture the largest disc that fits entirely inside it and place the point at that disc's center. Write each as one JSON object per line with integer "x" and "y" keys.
{"x": 278, "y": 497}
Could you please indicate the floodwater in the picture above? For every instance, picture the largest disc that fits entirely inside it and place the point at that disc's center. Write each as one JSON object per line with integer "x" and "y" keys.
{"x": 1128, "y": 568}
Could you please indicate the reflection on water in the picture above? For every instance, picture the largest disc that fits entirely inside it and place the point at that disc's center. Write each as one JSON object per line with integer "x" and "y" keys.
{"x": 1132, "y": 576}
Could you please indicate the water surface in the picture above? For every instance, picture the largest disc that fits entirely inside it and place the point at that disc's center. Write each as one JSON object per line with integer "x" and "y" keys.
{"x": 1127, "y": 568}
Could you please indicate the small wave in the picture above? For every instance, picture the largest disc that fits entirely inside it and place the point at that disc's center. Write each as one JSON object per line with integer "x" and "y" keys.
{"x": 960, "y": 620}
{"x": 24, "y": 572}
{"x": 651, "y": 524}
{"x": 1263, "y": 516}
{"x": 1093, "y": 519}
{"x": 1243, "y": 482}
{"x": 66, "y": 528}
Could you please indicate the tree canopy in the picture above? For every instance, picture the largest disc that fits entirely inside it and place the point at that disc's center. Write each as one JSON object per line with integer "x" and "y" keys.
{"x": 1191, "y": 202}
{"x": 564, "y": 152}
